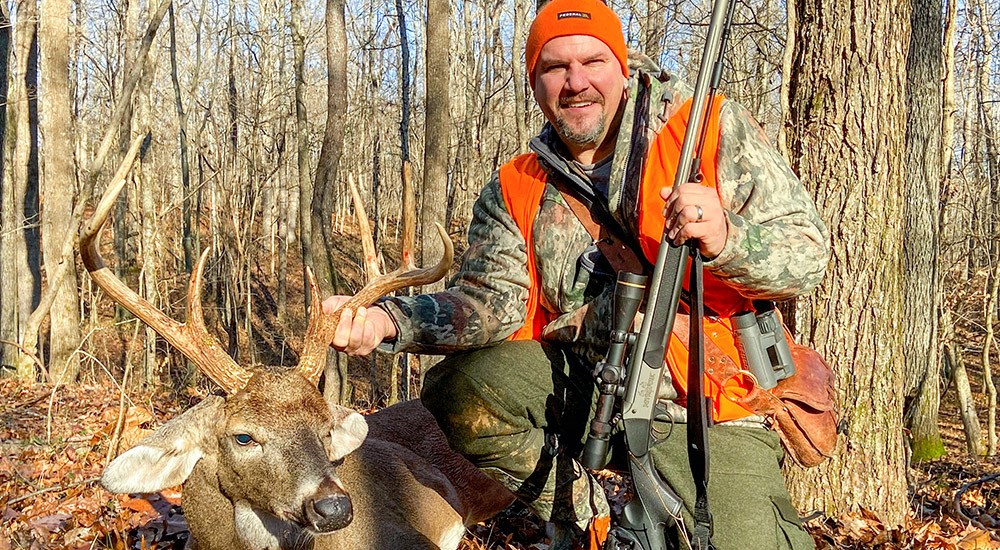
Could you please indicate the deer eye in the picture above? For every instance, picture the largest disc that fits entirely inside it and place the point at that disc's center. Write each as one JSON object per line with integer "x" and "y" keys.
{"x": 243, "y": 440}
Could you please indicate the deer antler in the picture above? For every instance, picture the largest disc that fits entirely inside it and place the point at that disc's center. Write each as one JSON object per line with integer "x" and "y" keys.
{"x": 190, "y": 338}
{"x": 322, "y": 326}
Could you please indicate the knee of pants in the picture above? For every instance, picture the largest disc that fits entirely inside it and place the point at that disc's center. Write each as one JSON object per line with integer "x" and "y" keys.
{"x": 483, "y": 402}
{"x": 466, "y": 410}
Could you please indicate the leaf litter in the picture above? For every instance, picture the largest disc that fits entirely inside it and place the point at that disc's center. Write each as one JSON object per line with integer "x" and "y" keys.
{"x": 50, "y": 496}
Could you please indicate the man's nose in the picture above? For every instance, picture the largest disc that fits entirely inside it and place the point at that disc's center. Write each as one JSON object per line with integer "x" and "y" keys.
{"x": 576, "y": 80}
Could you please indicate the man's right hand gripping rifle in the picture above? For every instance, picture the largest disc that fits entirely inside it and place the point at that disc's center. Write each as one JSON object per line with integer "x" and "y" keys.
{"x": 528, "y": 314}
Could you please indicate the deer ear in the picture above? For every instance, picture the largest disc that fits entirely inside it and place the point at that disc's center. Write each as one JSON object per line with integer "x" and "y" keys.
{"x": 349, "y": 432}
{"x": 166, "y": 457}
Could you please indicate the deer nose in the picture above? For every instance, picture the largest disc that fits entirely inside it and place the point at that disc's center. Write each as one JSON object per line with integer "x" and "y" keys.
{"x": 332, "y": 513}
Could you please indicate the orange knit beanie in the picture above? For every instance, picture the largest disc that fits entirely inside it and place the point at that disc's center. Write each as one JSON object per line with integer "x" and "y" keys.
{"x": 570, "y": 17}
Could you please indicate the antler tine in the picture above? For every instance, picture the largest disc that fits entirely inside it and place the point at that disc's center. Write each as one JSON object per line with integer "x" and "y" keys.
{"x": 322, "y": 326}
{"x": 406, "y": 260}
{"x": 191, "y": 339}
{"x": 318, "y": 334}
{"x": 402, "y": 278}
{"x": 205, "y": 349}
{"x": 372, "y": 268}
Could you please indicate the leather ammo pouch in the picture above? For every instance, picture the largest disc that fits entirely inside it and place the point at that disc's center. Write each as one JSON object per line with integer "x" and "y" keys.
{"x": 802, "y": 408}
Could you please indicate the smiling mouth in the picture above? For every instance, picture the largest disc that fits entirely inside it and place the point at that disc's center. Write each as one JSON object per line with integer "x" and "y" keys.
{"x": 580, "y": 102}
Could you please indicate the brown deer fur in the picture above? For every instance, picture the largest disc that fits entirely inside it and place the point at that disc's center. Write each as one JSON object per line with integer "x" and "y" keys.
{"x": 255, "y": 496}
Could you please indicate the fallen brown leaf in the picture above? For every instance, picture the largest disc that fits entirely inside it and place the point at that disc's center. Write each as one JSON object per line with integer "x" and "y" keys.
{"x": 976, "y": 540}
{"x": 139, "y": 505}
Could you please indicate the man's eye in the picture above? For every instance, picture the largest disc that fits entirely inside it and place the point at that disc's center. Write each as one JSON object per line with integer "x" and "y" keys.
{"x": 243, "y": 439}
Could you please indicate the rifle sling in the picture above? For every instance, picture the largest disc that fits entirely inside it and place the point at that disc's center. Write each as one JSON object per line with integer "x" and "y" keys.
{"x": 619, "y": 254}
{"x": 699, "y": 407}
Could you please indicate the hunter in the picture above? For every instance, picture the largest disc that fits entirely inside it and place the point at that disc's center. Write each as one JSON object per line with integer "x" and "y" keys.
{"x": 526, "y": 317}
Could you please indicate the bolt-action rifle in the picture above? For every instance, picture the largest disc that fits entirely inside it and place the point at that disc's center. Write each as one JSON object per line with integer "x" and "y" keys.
{"x": 630, "y": 376}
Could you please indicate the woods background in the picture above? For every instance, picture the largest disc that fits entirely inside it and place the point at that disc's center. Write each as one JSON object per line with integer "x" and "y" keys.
{"x": 258, "y": 113}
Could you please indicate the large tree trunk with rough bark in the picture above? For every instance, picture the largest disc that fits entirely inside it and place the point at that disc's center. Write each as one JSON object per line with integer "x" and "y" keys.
{"x": 848, "y": 116}
{"x": 921, "y": 283}
{"x": 59, "y": 186}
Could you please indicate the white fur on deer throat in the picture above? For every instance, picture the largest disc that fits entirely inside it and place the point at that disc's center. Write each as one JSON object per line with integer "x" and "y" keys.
{"x": 256, "y": 529}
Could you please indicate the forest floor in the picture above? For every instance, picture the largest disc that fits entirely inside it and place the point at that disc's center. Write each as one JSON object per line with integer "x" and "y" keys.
{"x": 54, "y": 444}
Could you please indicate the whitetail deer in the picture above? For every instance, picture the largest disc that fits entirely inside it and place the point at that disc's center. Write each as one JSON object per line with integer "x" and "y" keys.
{"x": 272, "y": 465}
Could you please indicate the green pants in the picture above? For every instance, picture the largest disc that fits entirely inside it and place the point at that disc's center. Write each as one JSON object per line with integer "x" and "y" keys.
{"x": 521, "y": 411}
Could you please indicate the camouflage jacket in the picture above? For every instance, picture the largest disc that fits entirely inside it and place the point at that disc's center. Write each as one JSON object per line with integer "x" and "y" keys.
{"x": 777, "y": 244}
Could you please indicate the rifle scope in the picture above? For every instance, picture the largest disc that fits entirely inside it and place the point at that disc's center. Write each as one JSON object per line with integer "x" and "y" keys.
{"x": 629, "y": 291}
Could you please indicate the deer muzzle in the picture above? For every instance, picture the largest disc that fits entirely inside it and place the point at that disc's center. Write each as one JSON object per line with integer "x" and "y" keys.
{"x": 329, "y": 509}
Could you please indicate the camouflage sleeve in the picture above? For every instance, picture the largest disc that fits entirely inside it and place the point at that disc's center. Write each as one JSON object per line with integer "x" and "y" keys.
{"x": 485, "y": 301}
{"x": 778, "y": 245}
{"x": 586, "y": 330}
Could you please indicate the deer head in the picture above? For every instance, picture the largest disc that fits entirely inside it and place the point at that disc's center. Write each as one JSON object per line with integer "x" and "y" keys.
{"x": 270, "y": 447}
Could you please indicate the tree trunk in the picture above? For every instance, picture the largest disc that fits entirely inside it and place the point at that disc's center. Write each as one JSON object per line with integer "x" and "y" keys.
{"x": 946, "y": 212}
{"x": 302, "y": 140}
{"x": 989, "y": 310}
{"x": 324, "y": 190}
{"x": 787, "y": 57}
{"x": 921, "y": 234}
{"x": 187, "y": 239}
{"x": 8, "y": 281}
{"x": 437, "y": 139}
{"x": 59, "y": 185}
{"x": 849, "y": 114}
{"x": 653, "y": 29}
{"x": 146, "y": 176}
{"x": 437, "y": 134}
{"x": 992, "y": 168}
{"x": 325, "y": 187}
{"x": 963, "y": 390}
{"x": 147, "y": 286}
{"x": 404, "y": 80}
{"x": 519, "y": 78}
{"x": 124, "y": 247}
{"x": 21, "y": 202}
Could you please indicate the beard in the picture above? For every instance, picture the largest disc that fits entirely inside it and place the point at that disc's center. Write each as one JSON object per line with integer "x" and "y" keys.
{"x": 587, "y": 135}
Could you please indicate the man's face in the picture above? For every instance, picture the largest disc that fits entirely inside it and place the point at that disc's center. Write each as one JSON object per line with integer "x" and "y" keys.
{"x": 579, "y": 86}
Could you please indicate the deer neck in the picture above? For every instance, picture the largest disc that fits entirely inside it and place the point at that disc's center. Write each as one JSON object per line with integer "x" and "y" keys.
{"x": 217, "y": 522}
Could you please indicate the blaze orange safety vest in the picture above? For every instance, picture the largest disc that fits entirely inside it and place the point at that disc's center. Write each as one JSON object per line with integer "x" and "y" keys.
{"x": 522, "y": 183}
